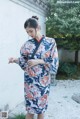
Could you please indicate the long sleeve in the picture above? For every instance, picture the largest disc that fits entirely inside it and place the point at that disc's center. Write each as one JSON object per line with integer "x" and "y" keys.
{"x": 26, "y": 52}
{"x": 22, "y": 60}
{"x": 55, "y": 60}
{"x": 51, "y": 58}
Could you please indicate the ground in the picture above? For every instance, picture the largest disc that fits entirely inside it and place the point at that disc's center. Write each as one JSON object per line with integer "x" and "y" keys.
{"x": 61, "y": 104}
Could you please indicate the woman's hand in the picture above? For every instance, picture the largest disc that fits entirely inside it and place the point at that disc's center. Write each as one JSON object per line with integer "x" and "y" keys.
{"x": 33, "y": 62}
{"x": 13, "y": 60}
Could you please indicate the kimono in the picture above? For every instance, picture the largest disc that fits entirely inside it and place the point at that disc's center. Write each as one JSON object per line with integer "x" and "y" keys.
{"x": 37, "y": 78}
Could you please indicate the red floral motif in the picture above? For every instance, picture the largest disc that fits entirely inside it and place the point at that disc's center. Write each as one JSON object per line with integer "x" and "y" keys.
{"x": 45, "y": 80}
{"x": 25, "y": 52}
{"x": 30, "y": 96}
{"x": 47, "y": 54}
{"x": 31, "y": 72}
{"x": 43, "y": 101}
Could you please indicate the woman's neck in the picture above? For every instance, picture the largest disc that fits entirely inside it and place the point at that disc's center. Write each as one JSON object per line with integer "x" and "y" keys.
{"x": 38, "y": 37}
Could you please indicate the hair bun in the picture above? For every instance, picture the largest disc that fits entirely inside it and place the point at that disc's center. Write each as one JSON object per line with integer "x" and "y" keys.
{"x": 35, "y": 17}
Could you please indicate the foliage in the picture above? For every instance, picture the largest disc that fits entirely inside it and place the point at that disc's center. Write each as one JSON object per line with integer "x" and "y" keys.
{"x": 19, "y": 116}
{"x": 68, "y": 43}
{"x": 67, "y": 68}
{"x": 63, "y": 21}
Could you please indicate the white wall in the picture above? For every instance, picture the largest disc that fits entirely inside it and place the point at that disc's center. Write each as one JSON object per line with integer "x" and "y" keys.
{"x": 12, "y": 36}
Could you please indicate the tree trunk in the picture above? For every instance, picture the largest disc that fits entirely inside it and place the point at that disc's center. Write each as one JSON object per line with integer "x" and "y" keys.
{"x": 76, "y": 57}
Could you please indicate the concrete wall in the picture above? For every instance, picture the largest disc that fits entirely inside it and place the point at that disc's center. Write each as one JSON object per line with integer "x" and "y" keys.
{"x": 12, "y": 36}
{"x": 66, "y": 55}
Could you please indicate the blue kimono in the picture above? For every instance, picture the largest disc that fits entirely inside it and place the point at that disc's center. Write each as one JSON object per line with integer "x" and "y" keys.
{"x": 37, "y": 78}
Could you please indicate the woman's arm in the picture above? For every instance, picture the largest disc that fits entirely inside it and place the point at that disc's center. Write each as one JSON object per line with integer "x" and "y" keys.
{"x": 33, "y": 62}
{"x": 20, "y": 61}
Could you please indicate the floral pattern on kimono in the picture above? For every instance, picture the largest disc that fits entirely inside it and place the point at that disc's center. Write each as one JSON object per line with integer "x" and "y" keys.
{"x": 37, "y": 78}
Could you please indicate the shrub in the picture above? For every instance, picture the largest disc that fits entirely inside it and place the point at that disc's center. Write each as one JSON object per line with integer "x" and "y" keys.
{"x": 67, "y": 68}
{"x": 19, "y": 116}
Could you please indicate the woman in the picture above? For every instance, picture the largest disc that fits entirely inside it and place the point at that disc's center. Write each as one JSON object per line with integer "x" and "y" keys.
{"x": 37, "y": 67}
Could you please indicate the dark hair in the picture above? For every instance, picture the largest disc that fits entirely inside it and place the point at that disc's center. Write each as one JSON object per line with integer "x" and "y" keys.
{"x": 31, "y": 22}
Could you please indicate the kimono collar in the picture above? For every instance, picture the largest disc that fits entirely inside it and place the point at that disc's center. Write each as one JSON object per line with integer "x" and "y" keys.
{"x": 40, "y": 39}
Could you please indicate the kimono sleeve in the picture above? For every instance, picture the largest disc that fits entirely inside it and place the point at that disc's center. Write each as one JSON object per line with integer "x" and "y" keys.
{"x": 52, "y": 59}
{"x": 22, "y": 60}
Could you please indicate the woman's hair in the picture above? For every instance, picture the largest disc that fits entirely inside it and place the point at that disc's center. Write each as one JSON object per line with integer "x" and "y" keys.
{"x": 31, "y": 22}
